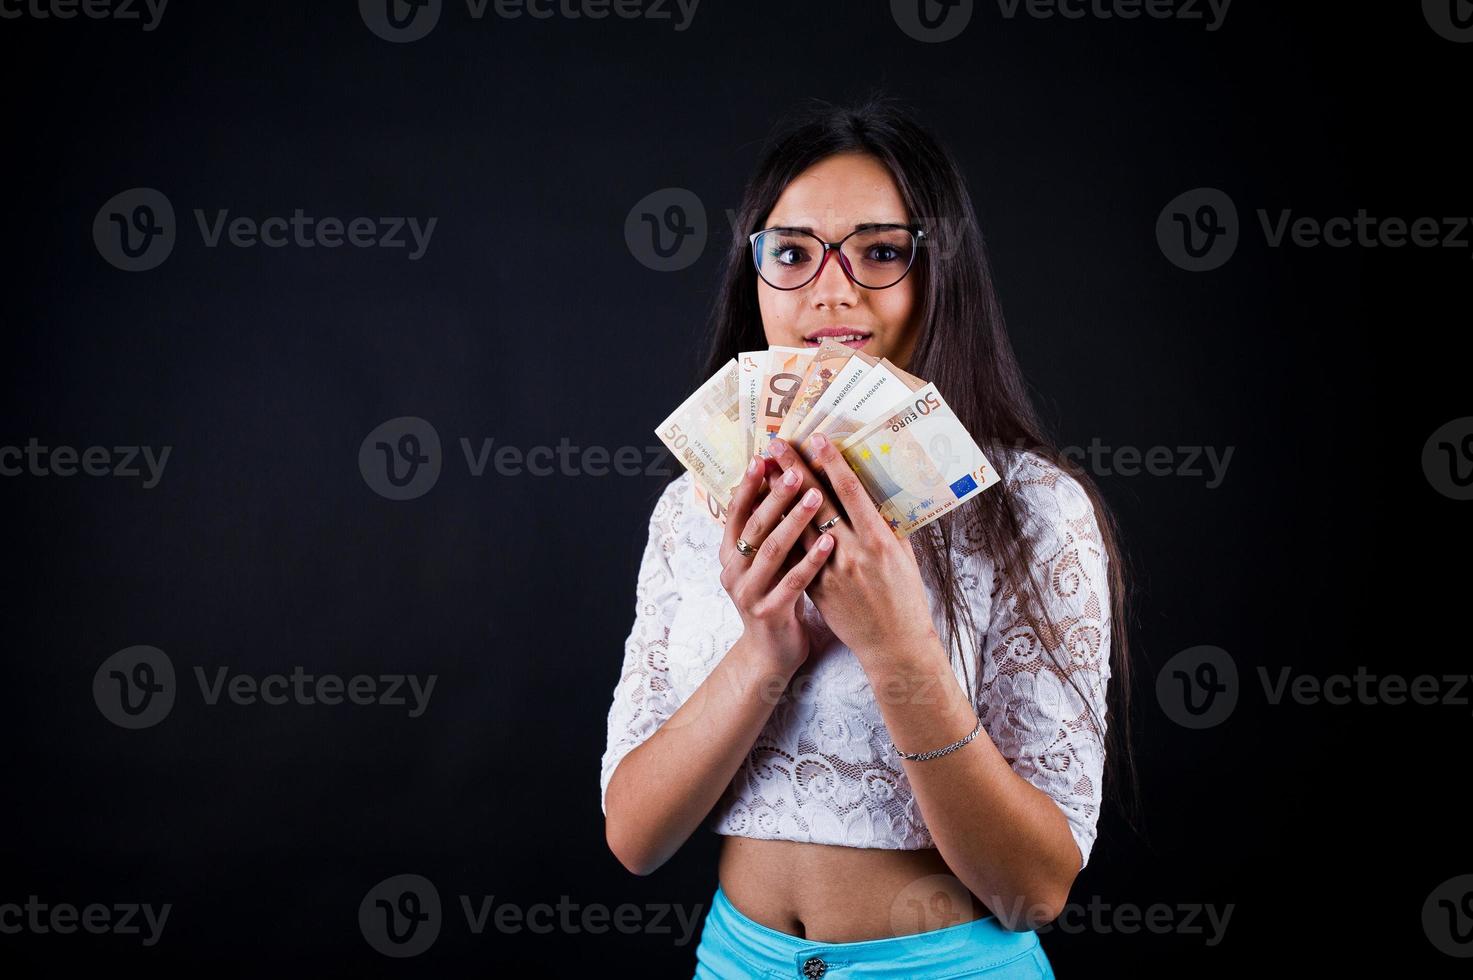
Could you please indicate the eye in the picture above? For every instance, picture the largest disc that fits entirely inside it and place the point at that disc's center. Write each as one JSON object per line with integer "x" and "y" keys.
{"x": 883, "y": 253}
{"x": 788, "y": 253}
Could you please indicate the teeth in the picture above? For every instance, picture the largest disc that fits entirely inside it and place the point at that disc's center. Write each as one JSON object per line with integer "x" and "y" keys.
{"x": 845, "y": 338}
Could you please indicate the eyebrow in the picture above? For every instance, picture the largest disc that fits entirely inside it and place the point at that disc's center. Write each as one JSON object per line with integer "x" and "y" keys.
{"x": 867, "y": 226}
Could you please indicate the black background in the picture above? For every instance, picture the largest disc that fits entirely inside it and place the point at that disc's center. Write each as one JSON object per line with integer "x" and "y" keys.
{"x": 529, "y": 320}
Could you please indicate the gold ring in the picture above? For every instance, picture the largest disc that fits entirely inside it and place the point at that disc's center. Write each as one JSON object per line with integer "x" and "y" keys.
{"x": 747, "y": 550}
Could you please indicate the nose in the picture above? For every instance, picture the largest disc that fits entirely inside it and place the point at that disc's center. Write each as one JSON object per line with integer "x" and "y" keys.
{"x": 833, "y": 288}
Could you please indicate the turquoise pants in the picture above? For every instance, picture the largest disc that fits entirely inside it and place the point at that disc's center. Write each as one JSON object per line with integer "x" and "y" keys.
{"x": 734, "y": 947}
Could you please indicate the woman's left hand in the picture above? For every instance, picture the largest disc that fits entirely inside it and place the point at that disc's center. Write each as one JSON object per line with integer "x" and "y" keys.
{"x": 870, "y": 590}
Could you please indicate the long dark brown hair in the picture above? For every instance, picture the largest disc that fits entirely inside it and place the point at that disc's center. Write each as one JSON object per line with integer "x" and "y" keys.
{"x": 963, "y": 348}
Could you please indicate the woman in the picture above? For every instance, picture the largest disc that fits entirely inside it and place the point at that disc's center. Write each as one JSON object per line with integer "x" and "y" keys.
{"x": 811, "y": 694}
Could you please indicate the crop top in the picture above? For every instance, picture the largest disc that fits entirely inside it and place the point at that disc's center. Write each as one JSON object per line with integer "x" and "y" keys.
{"x": 822, "y": 769}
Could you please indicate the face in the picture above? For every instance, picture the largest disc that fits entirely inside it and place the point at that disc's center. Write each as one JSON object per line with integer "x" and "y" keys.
{"x": 831, "y": 198}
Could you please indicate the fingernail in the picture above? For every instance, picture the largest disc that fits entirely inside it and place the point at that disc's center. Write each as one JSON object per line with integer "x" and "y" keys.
{"x": 818, "y": 441}
{"x": 778, "y": 447}
{"x": 825, "y": 541}
{"x": 753, "y": 465}
{"x": 791, "y": 478}
{"x": 810, "y": 499}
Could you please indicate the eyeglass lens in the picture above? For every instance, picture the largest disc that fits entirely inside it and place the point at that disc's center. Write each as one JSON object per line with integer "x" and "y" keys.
{"x": 877, "y": 257}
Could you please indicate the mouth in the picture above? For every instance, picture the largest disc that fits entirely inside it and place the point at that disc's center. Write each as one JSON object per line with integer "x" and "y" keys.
{"x": 848, "y": 336}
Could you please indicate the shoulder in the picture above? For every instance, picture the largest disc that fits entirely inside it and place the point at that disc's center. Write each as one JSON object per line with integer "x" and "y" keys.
{"x": 1055, "y": 509}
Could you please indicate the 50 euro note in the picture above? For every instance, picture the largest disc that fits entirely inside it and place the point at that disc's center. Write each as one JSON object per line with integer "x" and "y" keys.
{"x": 751, "y": 365}
{"x": 707, "y": 436}
{"x": 881, "y": 388}
{"x": 829, "y": 359}
{"x": 918, "y": 462}
{"x": 777, "y": 391}
{"x": 843, "y": 384}
{"x": 707, "y": 504}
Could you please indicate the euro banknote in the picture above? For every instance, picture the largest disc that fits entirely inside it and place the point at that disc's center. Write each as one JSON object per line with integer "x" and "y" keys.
{"x": 824, "y": 367}
{"x": 918, "y": 462}
{"x": 707, "y": 436}
{"x": 778, "y": 389}
{"x": 913, "y": 455}
{"x": 881, "y": 388}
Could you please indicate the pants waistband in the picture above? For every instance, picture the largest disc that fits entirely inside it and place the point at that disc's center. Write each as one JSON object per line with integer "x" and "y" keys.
{"x": 976, "y": 945}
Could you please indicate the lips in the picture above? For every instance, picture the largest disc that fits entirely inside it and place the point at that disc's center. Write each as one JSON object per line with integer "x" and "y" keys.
{"x": 852, "y": 337}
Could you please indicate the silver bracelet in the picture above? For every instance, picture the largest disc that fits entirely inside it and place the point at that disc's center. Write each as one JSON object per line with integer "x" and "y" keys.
{"x": 923, "y": 756}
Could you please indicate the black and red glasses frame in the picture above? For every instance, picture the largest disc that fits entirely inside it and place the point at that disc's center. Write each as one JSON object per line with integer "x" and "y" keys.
{"x": 917, "y": 236}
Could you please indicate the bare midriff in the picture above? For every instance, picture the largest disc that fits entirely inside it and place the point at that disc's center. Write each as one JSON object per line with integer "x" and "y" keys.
{"x": 831, "y": 894}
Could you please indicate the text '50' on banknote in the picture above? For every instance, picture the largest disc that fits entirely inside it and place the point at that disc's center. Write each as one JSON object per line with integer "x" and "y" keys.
{"x": 707, "y": 436}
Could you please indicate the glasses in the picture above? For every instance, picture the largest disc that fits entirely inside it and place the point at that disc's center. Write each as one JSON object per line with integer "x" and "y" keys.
{"x": 872, "y": 256}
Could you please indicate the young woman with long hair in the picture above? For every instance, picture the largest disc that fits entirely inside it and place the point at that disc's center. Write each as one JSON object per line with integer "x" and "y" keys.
{"x": 902, "y": 741}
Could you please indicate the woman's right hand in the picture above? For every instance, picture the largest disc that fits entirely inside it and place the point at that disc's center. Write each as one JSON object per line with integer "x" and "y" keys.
{"x": 768, "y": 587}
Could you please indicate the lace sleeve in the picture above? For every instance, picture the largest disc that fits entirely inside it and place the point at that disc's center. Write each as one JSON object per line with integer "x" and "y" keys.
{"x": 1030, "y": 706}
{"x": 644, "y": 698}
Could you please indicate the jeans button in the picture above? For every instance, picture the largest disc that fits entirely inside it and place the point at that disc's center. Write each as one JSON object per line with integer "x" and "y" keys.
{"x": 814, "y": 967}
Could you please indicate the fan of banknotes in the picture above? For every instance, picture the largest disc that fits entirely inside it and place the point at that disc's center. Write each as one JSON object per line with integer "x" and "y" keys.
{"x": 912, "y": 454}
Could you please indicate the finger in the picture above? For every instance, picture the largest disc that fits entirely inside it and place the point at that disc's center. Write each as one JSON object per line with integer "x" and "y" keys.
{"x": 769, "y": 512}
{"x": 858, "y": 506}
{"x": 775, "y": 546}
{"x": 801, "y": 575}
{"x": 789, "y": 459}
{"x": 743, "y": 501}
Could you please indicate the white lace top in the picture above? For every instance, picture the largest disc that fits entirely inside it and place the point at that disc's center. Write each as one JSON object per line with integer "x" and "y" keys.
{"x": 823, "y": 770}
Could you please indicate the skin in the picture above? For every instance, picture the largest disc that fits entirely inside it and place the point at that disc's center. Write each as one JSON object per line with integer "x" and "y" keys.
{"x": 868, "y": 586}
{"x": 831, "y": 197}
